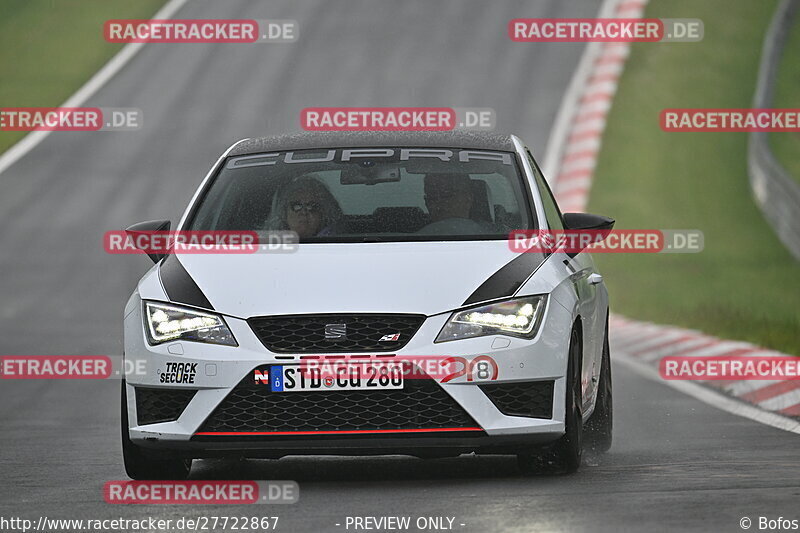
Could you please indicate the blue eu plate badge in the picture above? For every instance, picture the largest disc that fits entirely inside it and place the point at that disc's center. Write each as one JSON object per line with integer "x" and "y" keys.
{"x": 276, "y": 378}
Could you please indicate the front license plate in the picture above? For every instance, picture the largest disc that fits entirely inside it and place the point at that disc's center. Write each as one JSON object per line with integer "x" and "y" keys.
{"x": 362, "y": 376}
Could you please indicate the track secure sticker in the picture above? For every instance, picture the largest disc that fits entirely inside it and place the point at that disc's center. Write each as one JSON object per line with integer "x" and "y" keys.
{"x": 179, "y": 373}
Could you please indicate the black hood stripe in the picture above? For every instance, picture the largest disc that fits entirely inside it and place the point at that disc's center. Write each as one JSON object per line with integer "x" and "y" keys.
{"x": 506, "y": 281}
{"x": 179, "y": 285}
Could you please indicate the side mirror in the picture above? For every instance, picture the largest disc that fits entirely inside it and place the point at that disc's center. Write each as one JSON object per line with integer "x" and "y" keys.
{"x": 150, "y": 226}
{"x": 586, "y": 221}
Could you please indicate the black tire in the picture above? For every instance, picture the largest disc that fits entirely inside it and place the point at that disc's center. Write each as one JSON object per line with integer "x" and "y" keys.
{"x": 600, "y": 426}
{"x": 564, "y": 456}
{"x": 141, "y": 466}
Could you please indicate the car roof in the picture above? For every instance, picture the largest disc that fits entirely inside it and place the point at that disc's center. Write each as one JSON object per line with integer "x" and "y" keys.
{"x": 474, "y": 140}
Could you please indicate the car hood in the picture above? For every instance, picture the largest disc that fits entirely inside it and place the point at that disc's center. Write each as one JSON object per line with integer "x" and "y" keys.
{"x": 420, "y": 277}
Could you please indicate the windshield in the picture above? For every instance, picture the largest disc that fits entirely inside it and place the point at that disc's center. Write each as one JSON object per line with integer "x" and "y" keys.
{"x": 363, "y": 194}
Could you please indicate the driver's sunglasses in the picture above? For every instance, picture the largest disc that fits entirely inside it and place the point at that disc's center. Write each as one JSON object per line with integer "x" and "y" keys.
{"x": 309, "y": 207}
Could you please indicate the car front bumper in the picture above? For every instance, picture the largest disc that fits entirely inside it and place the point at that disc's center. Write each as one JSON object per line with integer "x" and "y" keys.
{"x": 214, "y": 371}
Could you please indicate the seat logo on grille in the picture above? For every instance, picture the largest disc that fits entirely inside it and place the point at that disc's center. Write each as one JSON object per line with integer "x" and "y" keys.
{"x": 335, "y": 331}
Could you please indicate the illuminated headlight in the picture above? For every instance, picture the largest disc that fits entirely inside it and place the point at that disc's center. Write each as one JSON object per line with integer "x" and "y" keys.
{"x": 518, "y": 318}
{"x": 168, "y": 323}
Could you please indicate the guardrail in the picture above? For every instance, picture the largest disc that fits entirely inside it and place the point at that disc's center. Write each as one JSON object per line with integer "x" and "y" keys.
{"x": 776, "y": 192}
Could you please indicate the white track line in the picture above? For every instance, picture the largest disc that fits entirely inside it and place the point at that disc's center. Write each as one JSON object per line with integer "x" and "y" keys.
{"x": 711, "y": 397}
{"x": 101, "y": 77}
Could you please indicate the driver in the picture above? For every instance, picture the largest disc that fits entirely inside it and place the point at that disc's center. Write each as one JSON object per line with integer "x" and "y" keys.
{"x": 307, "y": 207}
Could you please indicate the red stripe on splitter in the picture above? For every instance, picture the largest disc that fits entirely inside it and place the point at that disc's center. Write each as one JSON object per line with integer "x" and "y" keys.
{"x": 343, "y": 432}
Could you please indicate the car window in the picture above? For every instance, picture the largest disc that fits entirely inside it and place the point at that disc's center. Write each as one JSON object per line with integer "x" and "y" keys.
{"x": 551, "y": 210}
{"x": 391, "y": 194}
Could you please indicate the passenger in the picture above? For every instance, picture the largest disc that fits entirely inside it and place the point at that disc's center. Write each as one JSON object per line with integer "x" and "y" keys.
{"x": 448, "y": 196}
{"x": 449, "y": 199}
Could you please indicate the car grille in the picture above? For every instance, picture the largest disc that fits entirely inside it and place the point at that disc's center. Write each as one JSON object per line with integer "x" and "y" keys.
{"x": 362, "y": 333}
{"x": 421, "y": 404}
{"x": 161, "y": 405}
{"x": 533, "y": 399}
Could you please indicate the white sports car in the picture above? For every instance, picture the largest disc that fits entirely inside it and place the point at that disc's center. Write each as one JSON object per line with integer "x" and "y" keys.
{"x": 402, "y": 321}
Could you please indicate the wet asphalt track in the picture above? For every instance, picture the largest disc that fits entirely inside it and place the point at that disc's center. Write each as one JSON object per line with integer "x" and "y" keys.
{"x": 677, "y": 464}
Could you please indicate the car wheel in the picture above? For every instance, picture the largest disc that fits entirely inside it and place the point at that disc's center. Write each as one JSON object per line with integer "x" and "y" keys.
{"x": 139, "y": 465}
{"x": 564, "y": 456}
{"x": 599, "y": 427}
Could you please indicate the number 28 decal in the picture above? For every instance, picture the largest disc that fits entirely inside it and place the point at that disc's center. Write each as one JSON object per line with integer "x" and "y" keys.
{"x": 481, "y": 368}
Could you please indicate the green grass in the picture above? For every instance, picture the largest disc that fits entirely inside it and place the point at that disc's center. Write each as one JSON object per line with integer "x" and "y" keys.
{"x": 744, "y": 285}
{"x": 49, "y": 48}
{"x": 786, "y": 145}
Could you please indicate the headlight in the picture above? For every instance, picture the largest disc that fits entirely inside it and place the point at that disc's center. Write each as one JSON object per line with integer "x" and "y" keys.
{"x": 168, "y": 323}
{"x": 518, "y": 318}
